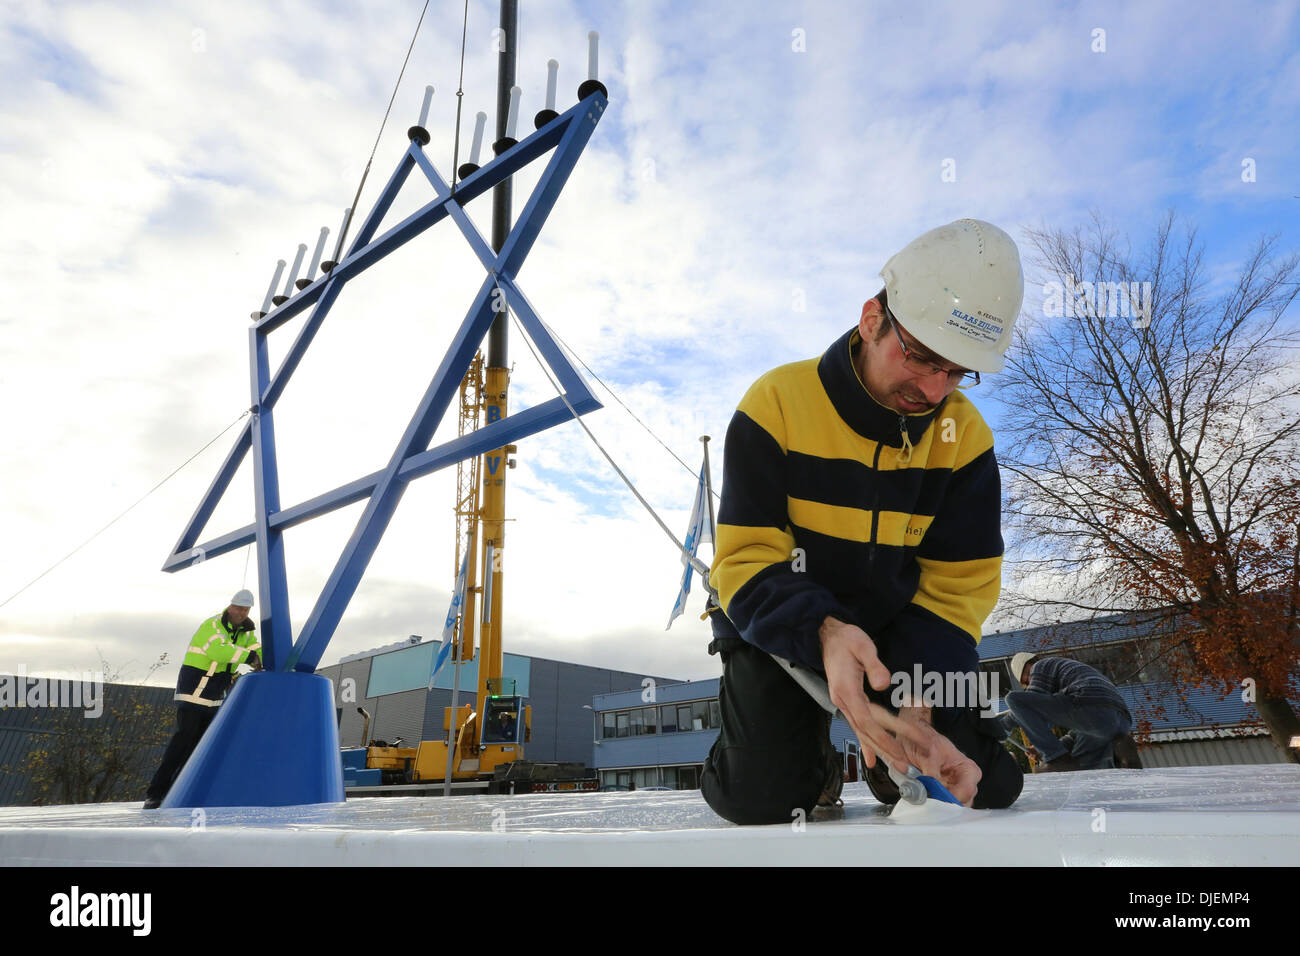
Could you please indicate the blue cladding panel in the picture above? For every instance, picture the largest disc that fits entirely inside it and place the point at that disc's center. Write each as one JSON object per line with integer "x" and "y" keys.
{"x": 408, "y": 669}
{"x": 397, "y": 671}
{"x": 653, "y": 750}
{"x": 665, "y": 693}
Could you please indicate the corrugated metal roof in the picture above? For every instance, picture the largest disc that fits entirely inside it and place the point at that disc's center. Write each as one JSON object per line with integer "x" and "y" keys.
{"x": 1212, "y": 733}
{"x": 1099, "y": 630}
{"x": 21, "y": 728}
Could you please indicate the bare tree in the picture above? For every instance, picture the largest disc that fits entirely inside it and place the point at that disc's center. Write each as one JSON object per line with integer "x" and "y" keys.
{"x": 1155, "y": 429}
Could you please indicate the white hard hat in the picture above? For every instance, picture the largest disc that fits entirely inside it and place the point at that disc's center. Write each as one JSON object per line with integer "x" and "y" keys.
{"x": 1018, "y": 664}
{"x": 242, "y": 598}
{"x": 958, "y": 289}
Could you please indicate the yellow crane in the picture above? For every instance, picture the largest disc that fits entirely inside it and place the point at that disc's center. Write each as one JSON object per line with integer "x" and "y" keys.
{"x": 490, "y": 732}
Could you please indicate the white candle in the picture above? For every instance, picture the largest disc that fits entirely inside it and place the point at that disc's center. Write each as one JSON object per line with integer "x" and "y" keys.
{"x": 480, "y": 121}
{"x": 593, "y": 40}
{"x": 275, "y": 281}
{"x": 343, "y": 229}
{"x": 315, "y": 256}
{"x": 552, "y": 73}
{"x": 512, "y": 118}
{"x": 424, "y": 110}
{"x": 297, "y": 264}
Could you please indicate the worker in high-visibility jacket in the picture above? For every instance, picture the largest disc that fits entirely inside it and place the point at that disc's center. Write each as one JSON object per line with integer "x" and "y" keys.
{"x": 218, "y": 647}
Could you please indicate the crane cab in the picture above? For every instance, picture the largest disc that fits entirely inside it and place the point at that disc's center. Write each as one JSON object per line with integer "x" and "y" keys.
{"x": 503, "y": 721}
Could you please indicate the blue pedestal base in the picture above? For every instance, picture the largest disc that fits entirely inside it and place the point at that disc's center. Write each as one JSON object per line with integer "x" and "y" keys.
{"x": 274, "y": 743}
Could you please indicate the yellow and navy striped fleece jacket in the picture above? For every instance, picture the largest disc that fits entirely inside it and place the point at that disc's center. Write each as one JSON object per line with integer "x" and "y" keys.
{"x": 836, "y": 505}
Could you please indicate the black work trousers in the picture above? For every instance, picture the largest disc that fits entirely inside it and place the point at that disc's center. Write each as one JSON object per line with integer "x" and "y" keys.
{"x": 769, "y": 758}
{"x": 191, "y": 723}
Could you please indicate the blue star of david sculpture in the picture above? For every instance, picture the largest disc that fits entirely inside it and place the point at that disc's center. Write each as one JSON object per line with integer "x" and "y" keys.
{"x": 275, "y": 742}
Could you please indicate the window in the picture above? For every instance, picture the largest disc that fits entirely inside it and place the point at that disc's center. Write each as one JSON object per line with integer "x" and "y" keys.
{"x": 670, "y": 777}
{"x": 699, "y": 715}
{"x": 501, "y": 720}
{"x": 650, "y": 719}
{"x": 715, "y": 714}
{"x": 669, "y": 718}
{"x": 688, "y": 778}
{"x": 684, "y": 717}
{"x": 608, "y": 725}
{"x": 622, "y": 723}
{"x": 634, "y": 720}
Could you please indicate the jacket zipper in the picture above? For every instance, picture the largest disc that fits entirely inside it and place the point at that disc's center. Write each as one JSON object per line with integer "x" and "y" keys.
{"x": 875, "y": 504}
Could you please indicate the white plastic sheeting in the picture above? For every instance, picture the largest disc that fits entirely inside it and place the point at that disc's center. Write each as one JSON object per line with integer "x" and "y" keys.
{"x": 1238, "y": 815}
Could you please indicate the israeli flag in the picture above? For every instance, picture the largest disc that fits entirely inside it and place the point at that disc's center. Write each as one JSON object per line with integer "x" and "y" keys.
{"x": 449, "y": 627}
{"x": 696, "y": 534}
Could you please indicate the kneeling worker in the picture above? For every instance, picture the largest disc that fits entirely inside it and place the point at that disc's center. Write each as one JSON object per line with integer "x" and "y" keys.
{"x": 859, "y": 534}
{"x": 1066, "y": 693}
{"x": 219, "y": 646}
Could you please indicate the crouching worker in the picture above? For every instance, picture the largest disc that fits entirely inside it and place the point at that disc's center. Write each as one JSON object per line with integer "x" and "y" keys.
{"x": 859, "y": 535}
{"x": 1060, "y": 692}
{"x": 217, "y": 648}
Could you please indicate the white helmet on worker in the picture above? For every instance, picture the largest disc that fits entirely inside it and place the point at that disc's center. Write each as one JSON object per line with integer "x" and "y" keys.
{"x": 242, "y": 598}
{"x": 1018, "y": 663}
{"x": 957, "y": 290}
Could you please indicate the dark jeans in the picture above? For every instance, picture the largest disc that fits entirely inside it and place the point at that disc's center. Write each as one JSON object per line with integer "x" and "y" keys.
{"x": 1094, "y": 726}
{"x": 770, "y": 756}
{"x": 191, "y": 722}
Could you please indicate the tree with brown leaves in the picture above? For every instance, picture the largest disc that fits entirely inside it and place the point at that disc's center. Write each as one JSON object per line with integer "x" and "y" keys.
{"x": 1154, "y": 417}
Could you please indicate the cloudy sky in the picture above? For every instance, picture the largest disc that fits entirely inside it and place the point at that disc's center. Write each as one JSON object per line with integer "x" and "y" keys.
{"x": 757, "y": 165}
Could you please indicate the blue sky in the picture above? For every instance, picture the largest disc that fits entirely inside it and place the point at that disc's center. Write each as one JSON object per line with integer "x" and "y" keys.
{"x": 156, "y": 159}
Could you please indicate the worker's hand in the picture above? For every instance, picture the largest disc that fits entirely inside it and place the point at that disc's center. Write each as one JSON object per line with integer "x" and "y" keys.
{"x": 938, "y": 757}
{"x": 847, "y": 655}
{"x": 254, "y": 661}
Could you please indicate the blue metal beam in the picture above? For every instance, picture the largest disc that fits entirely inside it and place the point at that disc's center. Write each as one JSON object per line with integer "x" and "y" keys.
{"x": 567, "y": 135}
{"x": 520, "y": 241}
{"x": 388, "y": 490}
{"x": 208, "y": 503}
{"x": 273, "y": 583}
{"x": 510, "y": 429}
{"x": 474, "y": 185}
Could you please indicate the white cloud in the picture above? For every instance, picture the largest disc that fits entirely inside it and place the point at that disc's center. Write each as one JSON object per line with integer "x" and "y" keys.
{"x": 156, "y": 159}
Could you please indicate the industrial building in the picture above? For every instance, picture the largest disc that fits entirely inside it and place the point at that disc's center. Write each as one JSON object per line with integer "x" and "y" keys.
{"x": 391, "y": 684}
{"x": 659, "y": 736}
{"x": 644, "y": 731}
{"x": 663, "y": 742}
